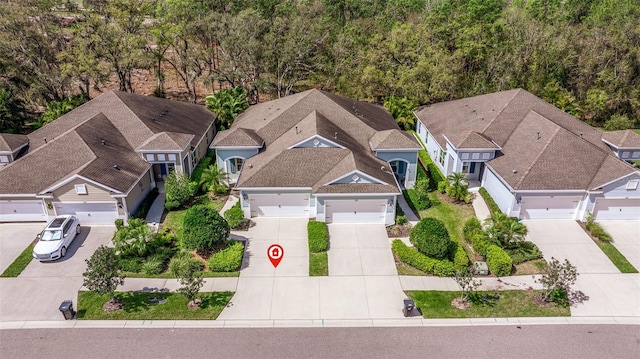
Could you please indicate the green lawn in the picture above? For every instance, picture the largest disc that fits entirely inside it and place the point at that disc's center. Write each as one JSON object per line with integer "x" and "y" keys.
{"x": 637, "y": 131}
{"x": 204, "y": 274}
{"x": 138, "y": 306}
{"x": 318, "y": 264}
{"x": 173, "y": 220}
{"x": 512, "y": 303}
{"x": 20, "y": 263}
{"x": 453, "y": 215}
{"x": 617, "y": 258}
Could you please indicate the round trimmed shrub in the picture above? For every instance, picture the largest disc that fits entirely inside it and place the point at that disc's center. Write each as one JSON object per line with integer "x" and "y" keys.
{"x": 204, "y": 229}
{"x": 431, "y": 237}
{"x": 234, "y": 216}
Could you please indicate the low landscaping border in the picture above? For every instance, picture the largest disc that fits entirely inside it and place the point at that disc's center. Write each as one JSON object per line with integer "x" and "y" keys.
{"x": 493, "y": 206}
{"x": 20, "y": 263}
{"x": 617, "y": 258}
{"x": 139, "y": 306}
{"x": 167, "y": 275}
{"x": 511, "y": 303}
{"x": 318, "y": 239}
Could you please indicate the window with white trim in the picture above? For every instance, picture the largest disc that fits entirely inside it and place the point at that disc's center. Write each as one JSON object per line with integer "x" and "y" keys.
{"x": 4, "y": 159}
{"x": 81, "y": 189}
{"x": 632, "y": 185}
{"x": 172, "y": 157}
{"x": 161, "y": 157}
{"x": 465, "y": 167}
{"x": 443, "y": 155}
{"x": 235, "y": 165}
{"x": 150, "y": 157}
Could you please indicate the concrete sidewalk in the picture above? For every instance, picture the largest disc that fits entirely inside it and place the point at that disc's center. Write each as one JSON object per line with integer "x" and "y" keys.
{"x": 411, "y": 216}
{"x": 479, "y": 205}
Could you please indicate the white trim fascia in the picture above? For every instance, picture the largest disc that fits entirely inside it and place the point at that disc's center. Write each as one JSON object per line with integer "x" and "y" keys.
{"x": 620, "y": 148}
{"x": 160, "y": 151}
{"x": 73, "y": 177}
{"x": 611, "y": 144}
{"x": 45, "y": 196}
{"x": 237, "y": 147}
{"x": 281, "y": 189}
{"x": 464, "y": 149}
{"x": 399, "y": 150}
{"x": 449, "y": 142}
{"x": 316, "y": 136}
{"x": 521, "y": 191}
{"x": 356, "y": 172}
{"x": 321, "y": 195}
{"x": 618, "y": 179}
{"x": 500, "y": 178}
{"x": 82, "y": 202}
{"x": 19, "y": 195}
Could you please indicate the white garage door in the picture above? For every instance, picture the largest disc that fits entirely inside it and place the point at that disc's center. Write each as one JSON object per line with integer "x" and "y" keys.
{"x": 558, "y": 207}
{"x": 355, "y": 211}
{"x": 628, "y": 208}
{"x": 90, "y": 213}
{"x": 279, "y": 205}
{"x": 22, "y": 211}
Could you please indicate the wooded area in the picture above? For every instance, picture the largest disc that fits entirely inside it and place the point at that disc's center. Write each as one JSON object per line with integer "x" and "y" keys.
{"x": 581, "y": 55}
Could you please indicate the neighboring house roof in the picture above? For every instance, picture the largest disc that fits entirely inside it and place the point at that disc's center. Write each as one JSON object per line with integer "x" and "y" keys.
{"x": 393, "y": 139}
{"x": 10, "y": 142}
{"x": 477, "y": 141}
{"x": 622, "y": 139}
{"x": 242, "y": 137}
{"x": 542, "y": 147}
{"x": 288, "y": 121}
{"x": 166, "y": 141}
{"x": 74, "y": 142}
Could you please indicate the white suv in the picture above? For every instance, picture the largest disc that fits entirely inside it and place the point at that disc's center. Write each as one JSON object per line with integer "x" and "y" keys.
{"x": 56, "y": 238}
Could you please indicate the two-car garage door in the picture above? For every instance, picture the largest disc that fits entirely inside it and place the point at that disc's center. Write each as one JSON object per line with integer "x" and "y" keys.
{"x": 90, "y": 213}
{"x": 557, "y": 207}
{"x": 355, "y": 211}
{"x": 279, "y": 205}
{"x": 22, "y": 211}
{"x": 626, "y": 208}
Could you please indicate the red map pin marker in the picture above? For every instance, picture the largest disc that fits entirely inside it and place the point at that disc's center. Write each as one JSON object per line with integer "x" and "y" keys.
{"x": 275, "y": 253}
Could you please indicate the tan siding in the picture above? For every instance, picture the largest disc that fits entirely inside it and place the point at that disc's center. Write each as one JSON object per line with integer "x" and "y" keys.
{"x": 67, "y": 193}
{"x": 139, "y": 192}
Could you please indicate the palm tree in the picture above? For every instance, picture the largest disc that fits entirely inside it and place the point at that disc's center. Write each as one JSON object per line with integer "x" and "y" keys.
{"x": 458, "y": 186}
{"x": 211, "y": 178}
{"x": 504, "y": 230}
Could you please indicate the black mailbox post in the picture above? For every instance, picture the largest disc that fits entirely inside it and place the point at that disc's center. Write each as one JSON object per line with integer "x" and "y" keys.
{"x": 66, "y": 308}
{"x": 408, "y": 307}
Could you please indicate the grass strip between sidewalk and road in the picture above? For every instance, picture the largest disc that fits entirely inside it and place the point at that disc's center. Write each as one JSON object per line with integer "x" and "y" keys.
{"x": 318, "y": 264}
{"x": 19, "y": 264}
{"x": 617, "y": 258}
{"x": 512, "y": 303}
{"x": 138, "y": 306}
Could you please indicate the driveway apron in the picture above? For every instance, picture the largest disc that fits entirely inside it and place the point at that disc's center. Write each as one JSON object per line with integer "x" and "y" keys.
{"x": 626, "y": 238}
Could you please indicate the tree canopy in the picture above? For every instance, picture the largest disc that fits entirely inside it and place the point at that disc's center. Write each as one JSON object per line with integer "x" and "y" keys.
{"x": 580, "y": 55}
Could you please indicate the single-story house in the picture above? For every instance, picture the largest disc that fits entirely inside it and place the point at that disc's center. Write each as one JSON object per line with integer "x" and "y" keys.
{"x": 318, "y": 155}
{"x": 535, "y": 160}
{"x": 100, "y": 160}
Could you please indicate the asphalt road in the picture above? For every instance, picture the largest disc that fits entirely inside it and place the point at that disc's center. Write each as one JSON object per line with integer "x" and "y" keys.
{"x": 554, "y": 341}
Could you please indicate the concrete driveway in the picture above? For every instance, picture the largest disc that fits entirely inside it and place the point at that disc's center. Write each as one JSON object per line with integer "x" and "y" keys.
{"x": 360, "y": 249}
{"x": 288, "y": 293}
{"x": 14, "y": 238}
{"x": 566, "y": 239}
{"x": 39, "y": 290}
{"x": 626, "y": 238}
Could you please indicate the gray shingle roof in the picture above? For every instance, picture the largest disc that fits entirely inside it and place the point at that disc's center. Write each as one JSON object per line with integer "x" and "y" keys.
{"x": 166, "y": 141}
{"x": 74, "y": 142}
{"x": 238, "y": 137}
{"x": 622, "y": 139}
{"x": 10, "y": 142}
{"x": 286, "y": 122}
{"x": 394, "y": 139}
{"x": 543, "y": 148}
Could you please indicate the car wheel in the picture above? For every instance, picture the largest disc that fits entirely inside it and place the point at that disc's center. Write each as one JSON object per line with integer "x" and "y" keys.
{"x": 78, "y": 229}
{"x": 63, "y": 252}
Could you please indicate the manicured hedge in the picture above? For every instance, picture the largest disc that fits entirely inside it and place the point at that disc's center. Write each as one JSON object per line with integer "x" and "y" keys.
{"x": 228, "y": 259}
{"x": 204, "y": 228}
{"x": 234, "y": 215}
{"x": 430, "y": 236}
{"x": 416, "y": 202}
{"x": 318, "y": 235}
{"x": 460, "y": 259}
{"x": 493, "y": 206}
{"x": 204, "y": 164}
{"x": 412, "y": 257}
{"x": 498, "y": 261}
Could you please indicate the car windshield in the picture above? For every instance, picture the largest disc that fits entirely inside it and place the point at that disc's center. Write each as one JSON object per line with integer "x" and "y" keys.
{"x": 51, "y": 235}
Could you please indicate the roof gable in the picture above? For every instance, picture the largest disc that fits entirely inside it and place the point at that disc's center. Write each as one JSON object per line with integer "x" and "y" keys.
{"x": 393, "y": 139}
{"x": 10, "y": 142}
{"x": 625, "y": 139}
{"x": 166, "y": 141}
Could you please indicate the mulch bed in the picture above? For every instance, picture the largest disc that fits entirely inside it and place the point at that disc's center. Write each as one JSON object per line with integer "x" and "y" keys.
{"x": 398, "y": 231}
